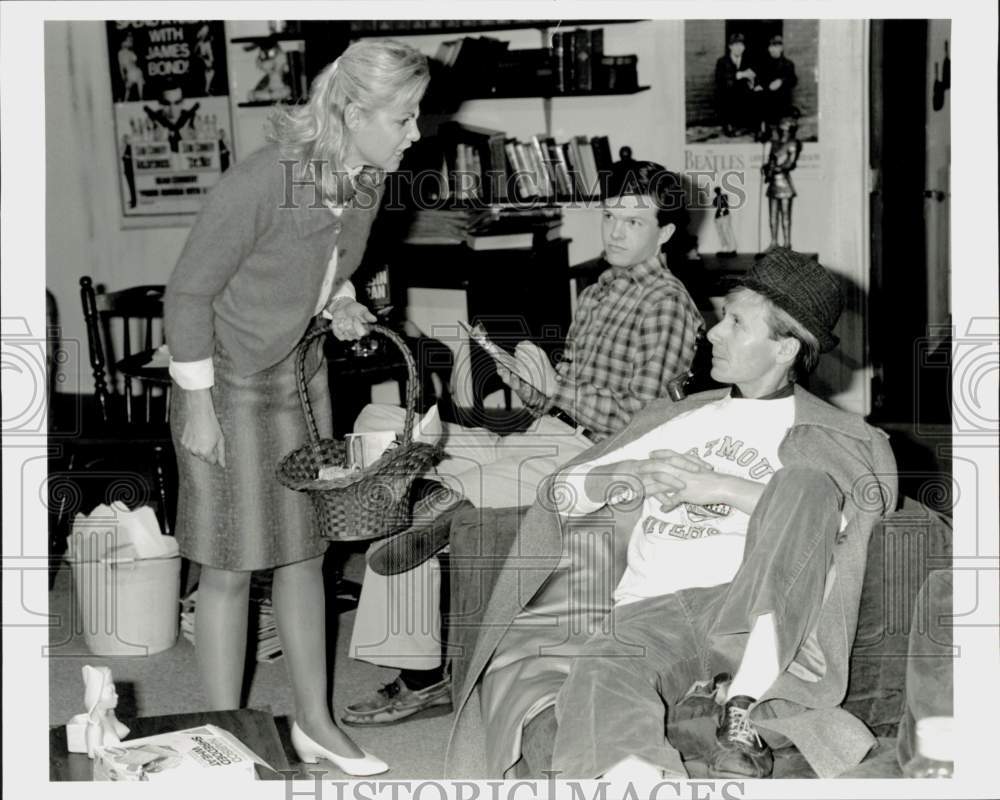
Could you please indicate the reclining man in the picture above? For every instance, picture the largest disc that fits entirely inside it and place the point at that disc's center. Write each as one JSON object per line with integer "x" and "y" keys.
{"x": 634, "y": 331}
{"x": 747, "y": 512}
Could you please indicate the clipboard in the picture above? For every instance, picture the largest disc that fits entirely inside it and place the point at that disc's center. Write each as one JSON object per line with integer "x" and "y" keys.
{"x": 500, "y": 356}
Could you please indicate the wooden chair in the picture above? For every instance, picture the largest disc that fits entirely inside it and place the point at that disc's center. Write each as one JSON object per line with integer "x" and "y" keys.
{"x": 108, "y": 313}
{"x": 123, "y": 376}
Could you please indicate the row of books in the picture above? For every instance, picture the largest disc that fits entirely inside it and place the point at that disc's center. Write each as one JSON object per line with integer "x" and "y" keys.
{"x": 268, "y": 643}
{"x": 514, "y": 229}
{"x": 575, "y": 55}
{"x": 497, "y": 228}
{"x": 480, "y": 164}
{"x": 575, "y": 62}
{"x": 470, "y": 52}
{"x": 430, "y": 25}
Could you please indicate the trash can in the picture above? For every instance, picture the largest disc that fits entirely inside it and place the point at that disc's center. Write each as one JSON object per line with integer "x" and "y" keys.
{"x": 127, "y": 607}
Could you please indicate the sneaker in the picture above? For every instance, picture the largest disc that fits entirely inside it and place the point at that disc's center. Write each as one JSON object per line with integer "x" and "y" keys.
{"x": 703, "y": 699}
{"x": 395, "y": 702}
{"x": 739, "y": 750}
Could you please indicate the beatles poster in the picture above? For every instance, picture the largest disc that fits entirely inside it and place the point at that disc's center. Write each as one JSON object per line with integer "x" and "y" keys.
{"x": 173, "y": 127}
{"x": 744, "y": 76}
{"x": 751, "y": 99}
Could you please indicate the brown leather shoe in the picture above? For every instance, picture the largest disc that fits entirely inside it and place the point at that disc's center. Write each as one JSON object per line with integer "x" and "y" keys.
{"x": 739, "y": 750}
{"x": 396, "y": 702}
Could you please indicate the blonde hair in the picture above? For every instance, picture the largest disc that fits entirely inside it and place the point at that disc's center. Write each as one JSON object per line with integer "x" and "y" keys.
{"x": 372, "y": 74}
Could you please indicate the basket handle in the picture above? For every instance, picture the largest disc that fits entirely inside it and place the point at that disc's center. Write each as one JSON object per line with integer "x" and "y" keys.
{"x": 411, "y": 383}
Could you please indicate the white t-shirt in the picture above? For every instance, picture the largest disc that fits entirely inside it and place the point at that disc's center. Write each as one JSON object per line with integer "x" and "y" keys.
{"x": 693, "y": 545}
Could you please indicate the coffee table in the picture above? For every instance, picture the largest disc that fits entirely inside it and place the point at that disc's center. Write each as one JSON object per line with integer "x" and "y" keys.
{"x": 254, "y": 727}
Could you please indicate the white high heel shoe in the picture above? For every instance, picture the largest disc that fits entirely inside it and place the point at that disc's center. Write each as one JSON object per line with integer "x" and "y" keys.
{"x": 309, "y": 752}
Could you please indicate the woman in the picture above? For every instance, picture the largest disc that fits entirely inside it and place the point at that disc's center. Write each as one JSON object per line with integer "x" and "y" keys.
{"x": 129, "y": 70}
{"x": 204, "y": 49}
{"x": 272, "y": 248}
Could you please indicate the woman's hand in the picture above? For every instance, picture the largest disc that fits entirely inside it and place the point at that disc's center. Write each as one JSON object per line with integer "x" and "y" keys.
{"x": 202, "y": 434}
{"x": 349, "y": 320}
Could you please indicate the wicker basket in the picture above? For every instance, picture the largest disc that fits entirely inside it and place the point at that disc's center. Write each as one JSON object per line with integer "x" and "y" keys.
{"x": 375, "y": 501}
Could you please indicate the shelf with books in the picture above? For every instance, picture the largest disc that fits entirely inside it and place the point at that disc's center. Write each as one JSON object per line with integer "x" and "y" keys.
{"x": 483, "y": 167}
{"x": 570, "y": 63}
{"x": 265, "y": 40}
{"x": 377, "y": 28}
{"x": 486, "y": 227}
{"x": 506, "y": 95}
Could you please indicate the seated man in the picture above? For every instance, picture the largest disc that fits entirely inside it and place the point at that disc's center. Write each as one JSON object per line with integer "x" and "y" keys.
{"x": 776, "y": 82}
{"x": 747, "y": 513}
{"x": 735, "y": 81}
{"x": 634, "y": 331}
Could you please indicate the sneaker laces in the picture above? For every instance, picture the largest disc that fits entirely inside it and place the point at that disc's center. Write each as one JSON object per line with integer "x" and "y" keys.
{"x": 739, "y": 728}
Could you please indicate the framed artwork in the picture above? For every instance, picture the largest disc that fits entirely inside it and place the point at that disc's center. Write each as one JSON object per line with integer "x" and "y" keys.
{"x": 173, "y": 122}
{"x": 743, "y": 76}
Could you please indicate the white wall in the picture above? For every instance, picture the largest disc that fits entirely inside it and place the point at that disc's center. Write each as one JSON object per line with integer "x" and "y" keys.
{"x": 84, "y": 234}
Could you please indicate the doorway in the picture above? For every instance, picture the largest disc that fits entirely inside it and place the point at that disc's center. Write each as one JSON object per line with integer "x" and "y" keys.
{"x": 909, "y": 312}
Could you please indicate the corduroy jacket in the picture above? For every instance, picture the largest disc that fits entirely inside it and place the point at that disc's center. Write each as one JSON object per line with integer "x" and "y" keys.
{"x": 803, "y": 704}
{"x": 253, "y": 265}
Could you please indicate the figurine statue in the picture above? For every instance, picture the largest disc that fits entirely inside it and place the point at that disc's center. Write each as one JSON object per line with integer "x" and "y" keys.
{"x": 100, "y": 700}
{"x": 724, "y": 225}
{"x": 782, "y": 156}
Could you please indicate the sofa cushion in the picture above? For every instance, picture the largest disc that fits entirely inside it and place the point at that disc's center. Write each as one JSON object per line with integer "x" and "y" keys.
{"x": 931, "y": 664}
{"x": 903, "y": 549}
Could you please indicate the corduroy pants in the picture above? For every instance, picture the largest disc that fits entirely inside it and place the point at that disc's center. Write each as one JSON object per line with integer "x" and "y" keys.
{"x": 615, "y": 699}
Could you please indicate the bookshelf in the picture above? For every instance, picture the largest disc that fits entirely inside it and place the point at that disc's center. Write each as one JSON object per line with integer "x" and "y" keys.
{"x": 480, "y": 283}
{"x": 389, "y": 28}
{"x": 493, "y": 282}
{"x": 527, "y": 93}
{"x": 266, "y": 38}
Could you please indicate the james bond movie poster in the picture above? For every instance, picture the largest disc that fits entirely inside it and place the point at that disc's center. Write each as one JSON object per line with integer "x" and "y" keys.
{"x": 173, "y": 128}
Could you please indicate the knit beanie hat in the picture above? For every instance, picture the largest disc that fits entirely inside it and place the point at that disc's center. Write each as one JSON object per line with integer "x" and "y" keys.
{"x": 801, "y": 286}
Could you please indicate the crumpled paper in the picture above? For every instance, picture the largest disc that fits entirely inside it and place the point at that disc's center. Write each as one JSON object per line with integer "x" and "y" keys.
{"x": 114, "y": 533}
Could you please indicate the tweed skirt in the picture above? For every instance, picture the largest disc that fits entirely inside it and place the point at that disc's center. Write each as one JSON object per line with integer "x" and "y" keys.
{"x": 240, "y": 517}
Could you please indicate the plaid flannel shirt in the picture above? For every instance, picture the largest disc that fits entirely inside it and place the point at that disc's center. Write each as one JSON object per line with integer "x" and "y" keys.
{"x": 634, "y": 330}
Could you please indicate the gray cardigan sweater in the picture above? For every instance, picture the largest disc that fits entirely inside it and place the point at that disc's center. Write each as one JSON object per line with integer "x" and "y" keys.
{"x": 253, "y": 265}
